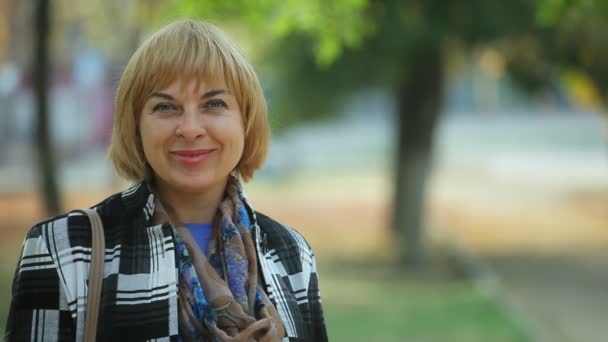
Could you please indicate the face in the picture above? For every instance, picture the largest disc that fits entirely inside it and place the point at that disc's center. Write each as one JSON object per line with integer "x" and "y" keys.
{"x": 192, "y": 135}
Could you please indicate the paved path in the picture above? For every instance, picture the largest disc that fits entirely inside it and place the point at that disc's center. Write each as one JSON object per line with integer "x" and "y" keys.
{"x": 565, "y": 298}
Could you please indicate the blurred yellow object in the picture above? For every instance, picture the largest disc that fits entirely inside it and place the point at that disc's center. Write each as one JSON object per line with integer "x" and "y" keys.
{"x": 582, "y": 90}
{"x": 492, "y": 63}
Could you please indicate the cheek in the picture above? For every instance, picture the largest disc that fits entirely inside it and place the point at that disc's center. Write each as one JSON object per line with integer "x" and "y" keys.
{"x": 231, "y": 133}
{"x": 150, "y": 137}
{"x": 144, "y": 136}
{"x": 238, "y": 139}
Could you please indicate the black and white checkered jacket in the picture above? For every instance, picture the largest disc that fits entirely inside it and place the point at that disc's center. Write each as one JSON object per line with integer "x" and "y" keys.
{"x": 139, "y": 295}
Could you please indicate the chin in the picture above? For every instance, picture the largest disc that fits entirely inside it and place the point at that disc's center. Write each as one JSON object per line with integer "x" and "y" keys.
{"x": 196, "y": 183}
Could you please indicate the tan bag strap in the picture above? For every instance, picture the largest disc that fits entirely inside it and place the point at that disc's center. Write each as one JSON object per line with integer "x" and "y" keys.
{"x": 98, "y": 251}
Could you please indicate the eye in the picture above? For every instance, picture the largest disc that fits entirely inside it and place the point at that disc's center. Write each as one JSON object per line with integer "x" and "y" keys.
{"x": 164, "y": 107}
{"x": 216, "y": 104}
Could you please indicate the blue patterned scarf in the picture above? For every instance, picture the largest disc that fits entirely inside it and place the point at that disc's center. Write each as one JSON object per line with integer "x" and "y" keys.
{"x": 219, "y": 295}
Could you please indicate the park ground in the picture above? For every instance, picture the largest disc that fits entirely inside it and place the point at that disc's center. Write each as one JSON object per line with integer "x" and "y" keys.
{"x": 546, "y": 252}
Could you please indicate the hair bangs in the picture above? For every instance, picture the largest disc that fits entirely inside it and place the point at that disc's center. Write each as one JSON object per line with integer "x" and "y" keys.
{"x": 181, "y": 52}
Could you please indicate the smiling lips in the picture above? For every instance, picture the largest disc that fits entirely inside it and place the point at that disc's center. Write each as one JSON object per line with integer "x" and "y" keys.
{"x": 191, "y": 157}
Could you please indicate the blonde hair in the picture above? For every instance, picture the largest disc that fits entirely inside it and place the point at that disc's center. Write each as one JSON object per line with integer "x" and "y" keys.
{"x": 190, "y": 49}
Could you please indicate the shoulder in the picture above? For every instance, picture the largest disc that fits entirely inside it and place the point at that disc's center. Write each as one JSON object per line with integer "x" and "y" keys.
{"x": 279, "y": 231}
{"x": 72, "y": 228}
{"x": 58, "y": 234}
{"x": 64, "y": 218}
{"x": 283, "y": 241}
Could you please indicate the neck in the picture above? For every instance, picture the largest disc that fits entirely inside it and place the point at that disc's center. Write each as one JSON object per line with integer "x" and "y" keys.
{"x": 190, "y": 206}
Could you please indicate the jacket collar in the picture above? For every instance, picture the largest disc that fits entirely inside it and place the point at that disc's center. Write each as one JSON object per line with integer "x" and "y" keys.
{"x": 139, "y": 199}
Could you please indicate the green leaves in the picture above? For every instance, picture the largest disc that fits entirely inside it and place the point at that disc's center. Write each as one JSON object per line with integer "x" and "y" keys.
{"x": 554, "y": 12}
{"x": 316, "y": 50}
{"x": 332, "y": 25}
{"x": 551, "y": 11}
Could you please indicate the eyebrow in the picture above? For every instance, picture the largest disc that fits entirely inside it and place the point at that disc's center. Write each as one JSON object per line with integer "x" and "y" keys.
{"x": 161, "y": 95}
{"x": 210, "y": 93}
{"x": 213, "y": 92}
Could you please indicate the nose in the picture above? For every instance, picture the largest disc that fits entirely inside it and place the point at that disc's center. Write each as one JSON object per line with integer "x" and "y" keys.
{"x": 191, "y": 126}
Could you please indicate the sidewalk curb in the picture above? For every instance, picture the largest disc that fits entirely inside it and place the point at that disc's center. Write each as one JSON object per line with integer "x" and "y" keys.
{"x": 491, "y": 286}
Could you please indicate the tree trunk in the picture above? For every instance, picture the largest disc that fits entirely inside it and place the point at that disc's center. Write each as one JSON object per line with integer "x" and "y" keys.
{"x": 418, "y": 105}
{"x": 46, "y": 162}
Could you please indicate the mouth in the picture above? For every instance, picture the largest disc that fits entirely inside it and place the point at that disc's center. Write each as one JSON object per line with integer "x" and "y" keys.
{"x": 191, "y": 157}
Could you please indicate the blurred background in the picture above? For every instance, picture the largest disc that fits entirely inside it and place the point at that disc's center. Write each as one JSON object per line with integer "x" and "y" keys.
{"x": 448, "y": 160}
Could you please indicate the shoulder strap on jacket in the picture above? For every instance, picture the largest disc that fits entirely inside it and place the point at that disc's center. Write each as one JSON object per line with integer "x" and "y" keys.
{"x": 98, "y": 249}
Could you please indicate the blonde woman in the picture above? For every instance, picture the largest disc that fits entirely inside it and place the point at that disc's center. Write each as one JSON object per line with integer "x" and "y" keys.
{"x": 187, "y": 257}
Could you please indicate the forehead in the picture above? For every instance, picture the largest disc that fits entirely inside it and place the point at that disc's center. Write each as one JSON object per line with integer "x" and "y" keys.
{"x": 193, "y": 84}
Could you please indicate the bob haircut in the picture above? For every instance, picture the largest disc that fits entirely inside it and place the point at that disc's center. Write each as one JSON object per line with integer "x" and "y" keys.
{"x": 193, "y": 50}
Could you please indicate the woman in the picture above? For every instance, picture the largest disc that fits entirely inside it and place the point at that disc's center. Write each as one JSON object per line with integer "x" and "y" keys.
{"x": 187, "y": 257}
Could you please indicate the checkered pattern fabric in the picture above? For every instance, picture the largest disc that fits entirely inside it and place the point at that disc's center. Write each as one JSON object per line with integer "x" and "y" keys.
{"x": 139, "y": 295}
